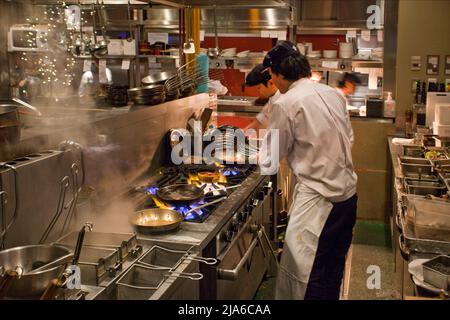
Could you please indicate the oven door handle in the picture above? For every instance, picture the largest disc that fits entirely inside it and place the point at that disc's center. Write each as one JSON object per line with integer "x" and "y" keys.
{"x": 232, "y": 274}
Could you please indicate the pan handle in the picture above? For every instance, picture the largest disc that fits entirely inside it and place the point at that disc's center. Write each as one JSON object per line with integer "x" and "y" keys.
{"x": 193, "y": 276}
{"x": 210, "y": 261}
{"x": 205, "y": 205}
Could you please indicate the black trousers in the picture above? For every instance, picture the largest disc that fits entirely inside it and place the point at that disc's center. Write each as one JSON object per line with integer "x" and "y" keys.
{"x": 329, "y": 263}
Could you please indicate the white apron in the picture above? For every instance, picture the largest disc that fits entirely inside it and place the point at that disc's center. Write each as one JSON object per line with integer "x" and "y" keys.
{"x": 307, "y": 217}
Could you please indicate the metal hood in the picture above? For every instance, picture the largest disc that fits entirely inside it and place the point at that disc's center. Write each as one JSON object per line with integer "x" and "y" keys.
{"x": 225, "y": 3}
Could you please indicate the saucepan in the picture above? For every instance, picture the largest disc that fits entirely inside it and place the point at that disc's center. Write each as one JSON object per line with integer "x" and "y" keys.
{"x": 180, "y": 194}
{"x": 158, "y": 220}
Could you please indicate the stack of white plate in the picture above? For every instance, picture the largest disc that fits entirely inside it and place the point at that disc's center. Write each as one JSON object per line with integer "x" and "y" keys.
{"x": 345, "y": 50}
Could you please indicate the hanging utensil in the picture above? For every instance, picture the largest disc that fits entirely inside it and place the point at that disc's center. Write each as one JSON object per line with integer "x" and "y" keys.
{"x": 105, "y": 40}
{"x": 189, "y": 46}
{"x": 130, "y": 38}
{"x": 79, "y": 42}
{"x": 214, "y": 52}
{"x": 100, "y": 48}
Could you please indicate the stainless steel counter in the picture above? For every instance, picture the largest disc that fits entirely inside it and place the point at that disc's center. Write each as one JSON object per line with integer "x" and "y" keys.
{"x": 402, "y": 260}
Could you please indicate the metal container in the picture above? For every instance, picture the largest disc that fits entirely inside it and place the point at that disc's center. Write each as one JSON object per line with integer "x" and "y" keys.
{"x": 430, "y": 219}
{"x": 97, "y": 264}
{"x": 437, "y": 272}
{"x": 417, "y": 170}
{"x": 413, "y": 151}
{"x": 125, "y": 243}
{"x": 408, "y": 241}
{"x": 424, "y": 187}
{"x": 414, "y": 160}
{"x": 28, "y": 258}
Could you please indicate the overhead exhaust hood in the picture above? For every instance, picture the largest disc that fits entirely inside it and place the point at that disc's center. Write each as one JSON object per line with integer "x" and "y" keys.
{"x": 180, "y": 3}
{"x": 225, "y": 3}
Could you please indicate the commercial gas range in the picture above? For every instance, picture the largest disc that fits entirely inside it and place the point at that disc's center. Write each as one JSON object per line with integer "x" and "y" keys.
{"x": 232, "y": 231}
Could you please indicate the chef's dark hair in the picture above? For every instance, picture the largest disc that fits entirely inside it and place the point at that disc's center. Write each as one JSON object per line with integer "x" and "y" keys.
{"x": 285, "y": 59}
{"x": 349, "y": 77}
{"x": 258, "y": 75}
{"x": 293, "y": 67}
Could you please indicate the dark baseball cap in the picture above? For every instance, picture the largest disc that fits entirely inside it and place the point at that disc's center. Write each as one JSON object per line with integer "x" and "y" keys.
{"x": 259, "y": 74}
{"x": 281, "y": 51}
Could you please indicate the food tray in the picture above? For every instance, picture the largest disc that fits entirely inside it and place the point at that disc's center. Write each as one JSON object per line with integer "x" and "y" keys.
{"x": 437, "y": 272}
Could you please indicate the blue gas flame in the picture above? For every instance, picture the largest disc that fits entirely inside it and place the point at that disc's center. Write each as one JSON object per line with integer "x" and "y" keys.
{"x": 152, "y": 190}
{"x": 192, "y": 215}
{"x": 230, "y": 172}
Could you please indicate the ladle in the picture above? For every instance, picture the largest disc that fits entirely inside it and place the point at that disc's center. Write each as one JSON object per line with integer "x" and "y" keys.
{"x": 214, "y": 52}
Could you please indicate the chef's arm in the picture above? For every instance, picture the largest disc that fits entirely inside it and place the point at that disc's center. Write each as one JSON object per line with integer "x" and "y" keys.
{"x": 349, "y": 128}
{"x": 255, "y": 125}
{"x": 277, "y": 141}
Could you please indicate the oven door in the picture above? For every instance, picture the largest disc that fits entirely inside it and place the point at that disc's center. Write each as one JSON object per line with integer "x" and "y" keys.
{"x": 243, "y": 266}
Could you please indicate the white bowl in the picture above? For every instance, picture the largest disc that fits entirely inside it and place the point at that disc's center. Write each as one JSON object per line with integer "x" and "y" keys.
{"x": 229, "y": 50}
{"x": 330, "y": 54}
{"x": 243, "y": 54}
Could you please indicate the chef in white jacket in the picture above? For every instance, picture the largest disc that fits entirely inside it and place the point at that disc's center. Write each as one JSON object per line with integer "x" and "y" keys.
{"x": 259, "y": 77}
{"x": 309, "y": 125}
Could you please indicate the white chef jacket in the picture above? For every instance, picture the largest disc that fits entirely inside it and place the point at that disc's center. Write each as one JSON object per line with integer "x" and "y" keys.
{"x": 264, "y": 116}
{"x": 313, "y": 128}
{"x": 352, "y": 138}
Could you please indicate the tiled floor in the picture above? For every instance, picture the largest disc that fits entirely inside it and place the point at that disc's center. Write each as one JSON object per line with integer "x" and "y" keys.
{"x": 371, "y": 247}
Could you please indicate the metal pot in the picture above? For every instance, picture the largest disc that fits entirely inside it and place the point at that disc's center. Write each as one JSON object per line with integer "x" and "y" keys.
{"x": 33, "y": 284}
{"x": 158, "y": 78}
